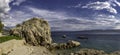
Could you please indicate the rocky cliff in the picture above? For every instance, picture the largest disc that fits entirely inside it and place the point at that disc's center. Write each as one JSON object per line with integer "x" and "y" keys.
{"x": 36, "y": 31}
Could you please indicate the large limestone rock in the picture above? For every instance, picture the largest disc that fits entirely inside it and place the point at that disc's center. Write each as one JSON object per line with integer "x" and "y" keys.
{"x": 35, "y": 31}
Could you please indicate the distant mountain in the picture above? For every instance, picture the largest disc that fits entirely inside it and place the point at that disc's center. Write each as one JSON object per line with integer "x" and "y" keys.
{"x": 110, "y": 31}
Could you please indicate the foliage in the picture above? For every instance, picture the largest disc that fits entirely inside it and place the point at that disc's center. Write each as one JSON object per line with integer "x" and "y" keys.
{"x": 7, "y": 38}
{"x": 1, "y": 26}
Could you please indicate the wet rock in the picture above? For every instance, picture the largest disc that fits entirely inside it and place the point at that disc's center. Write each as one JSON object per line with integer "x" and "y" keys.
{"x": 115, "y": 53}
{"x": 69, "y": 44}
{"x": 73, "y": 43}
{"x": 35, "y": 31}
{"x": 64, "y": 36}
{"x": 89, "y": 52}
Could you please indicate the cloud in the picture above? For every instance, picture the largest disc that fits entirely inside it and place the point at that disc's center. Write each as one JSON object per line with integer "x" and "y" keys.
{"x": 107, "y": 5}
{"x": 4, "y": 8}
{"x": 18, "y": 16}
{"x": 106, "y": 20}
{"x": 76, "y": 6}
{"x": 117, "y": 27}
{"x": 114, "y": 2}
{"x": 48, "y": 14}
{"x": 56, "y": 19}
{"x": 60, "y": 21}
{"x": 18, "y": 2}
{"x": 100, "y": 6}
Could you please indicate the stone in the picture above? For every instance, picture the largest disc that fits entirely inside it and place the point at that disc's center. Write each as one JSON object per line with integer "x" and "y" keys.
{"x": 73, "y": 43}
{"x": 40, "y": 50}
{"x": 17, "y": 47}
{"x": 0, "y": 51}
{"x": 64, "y": 36}
{"x": 35, "y": 31}
{"x": 71, "y": 53}
{"x": 22, "y": 50}
{"x": 89, "y": 52}
{"x": 67, "y": 45}
{"x": 8, "y": 46}
{"x": 115, "y": 53}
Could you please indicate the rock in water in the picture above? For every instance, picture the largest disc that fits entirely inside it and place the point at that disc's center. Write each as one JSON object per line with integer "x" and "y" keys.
{"x": 89, "y": 52}
{"x": 69, "y": 44}
{"x": 35, "y": 31}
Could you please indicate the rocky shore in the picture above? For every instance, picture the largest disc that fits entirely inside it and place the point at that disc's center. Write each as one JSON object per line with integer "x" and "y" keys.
{"x": 37, "y": 40}
{"x": 93, "y": 52}
{"x": 18, "y": 47}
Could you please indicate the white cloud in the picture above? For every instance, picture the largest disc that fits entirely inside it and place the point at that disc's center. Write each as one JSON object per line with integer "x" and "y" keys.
{"x": 56, "y": 19}
{"x": 17, "y": 17}
{"x": 10, "y": 22}
{"x": 114, "y": 2}
{"x": 100, "y": 6}
{"x": 107, "y": 5}
{"x": 106, "y": 20}
{"x": 62, "y": 21}
{"x": 4, "y": 8}
{"x": 18, "y": 2}
{"x": 48, "y": 14}
{"x": 117, "y": 27}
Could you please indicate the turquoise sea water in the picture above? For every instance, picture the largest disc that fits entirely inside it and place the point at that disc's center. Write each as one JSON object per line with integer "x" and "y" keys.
{"x": 107, "y": 42}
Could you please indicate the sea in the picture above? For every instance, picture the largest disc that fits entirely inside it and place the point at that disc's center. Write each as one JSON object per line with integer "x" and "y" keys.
{"x": 109, "y": 41}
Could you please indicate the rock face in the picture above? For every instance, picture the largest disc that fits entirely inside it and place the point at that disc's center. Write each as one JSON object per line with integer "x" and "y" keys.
{"x": 0, "y": 52}
{"x": 8, "y": 46}
{"x": 17, "y": 47}
{"x": 35, "y": 31}
{"x": 22, "y": 50}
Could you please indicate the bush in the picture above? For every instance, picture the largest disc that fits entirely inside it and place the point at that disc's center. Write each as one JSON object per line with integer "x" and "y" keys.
{"x": 1, "y": 26}
{"x": 7, "y": 38}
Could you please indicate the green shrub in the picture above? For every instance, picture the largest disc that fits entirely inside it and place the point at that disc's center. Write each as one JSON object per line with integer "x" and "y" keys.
{"x": 1, "y": 26}
{"x": 7, "y": 38}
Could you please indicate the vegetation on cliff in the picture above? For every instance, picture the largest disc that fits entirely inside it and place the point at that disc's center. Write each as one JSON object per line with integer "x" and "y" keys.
{"x": 7, "y": 38}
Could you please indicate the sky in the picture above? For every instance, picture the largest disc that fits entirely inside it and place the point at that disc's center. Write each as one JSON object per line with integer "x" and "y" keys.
{"x": 63, "y": 15}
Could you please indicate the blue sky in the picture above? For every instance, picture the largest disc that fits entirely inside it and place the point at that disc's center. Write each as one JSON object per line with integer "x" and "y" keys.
{"x": 64, "y": 15}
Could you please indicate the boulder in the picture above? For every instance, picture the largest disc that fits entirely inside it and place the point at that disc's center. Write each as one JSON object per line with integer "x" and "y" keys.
{"x": 89, "y": 52}
{"x": 115, "y": 53}
{"x": 36, "y": 31}
{"x": 73, "y": 43}
{"x": 67, "y": 45}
